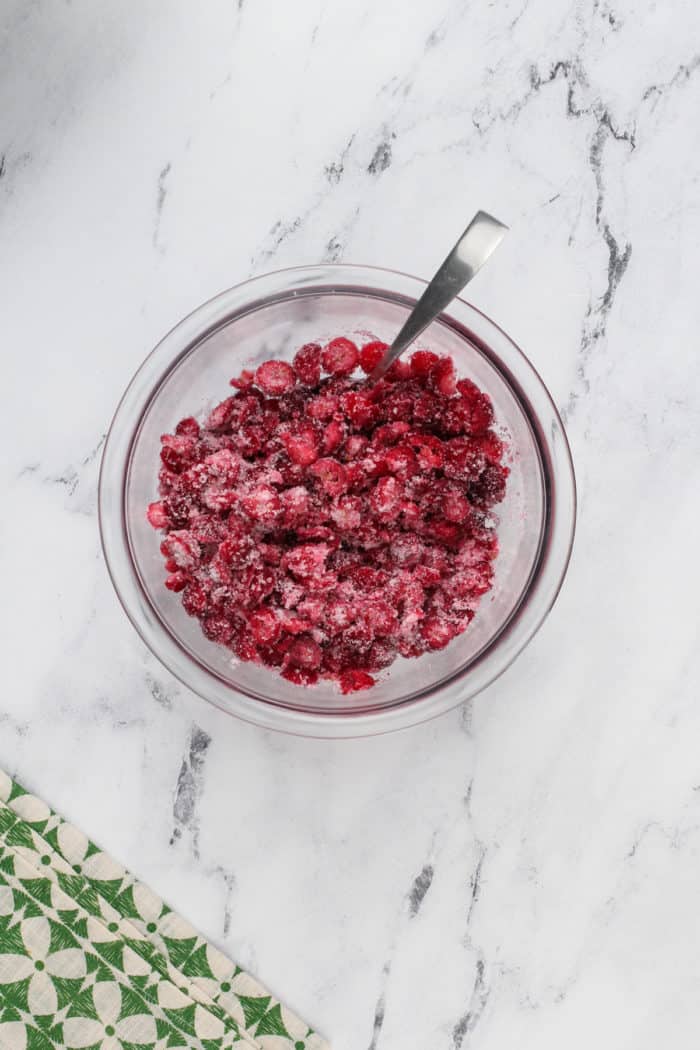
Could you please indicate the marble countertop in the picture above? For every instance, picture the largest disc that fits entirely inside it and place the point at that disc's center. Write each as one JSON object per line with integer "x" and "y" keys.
{"x": 524, "y": 871}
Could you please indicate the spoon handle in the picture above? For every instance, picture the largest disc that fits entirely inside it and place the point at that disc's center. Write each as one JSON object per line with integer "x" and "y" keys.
{"x": 481, "y": 237}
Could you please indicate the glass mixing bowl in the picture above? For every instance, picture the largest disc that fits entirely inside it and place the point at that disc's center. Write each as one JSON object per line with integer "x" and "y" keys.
{"x": 272, "y": 316}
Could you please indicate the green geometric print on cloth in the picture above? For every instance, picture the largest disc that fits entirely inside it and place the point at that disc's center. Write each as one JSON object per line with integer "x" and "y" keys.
{"x": 92, "y": 959}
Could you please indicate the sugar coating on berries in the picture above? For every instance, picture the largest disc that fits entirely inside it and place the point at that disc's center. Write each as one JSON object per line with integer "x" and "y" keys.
{"x": 371, "y": 354}
{"x": 354, "y": 680}
{"x": 275, "y": 378}
{"x": 301, "y": 445}
{"x": 307, "y": 364}
{"x": 321, "y": 525}
{"x": 340, "y": 357}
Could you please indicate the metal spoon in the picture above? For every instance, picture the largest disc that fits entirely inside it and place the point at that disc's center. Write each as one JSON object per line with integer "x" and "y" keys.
{"x": 481, "y": 237}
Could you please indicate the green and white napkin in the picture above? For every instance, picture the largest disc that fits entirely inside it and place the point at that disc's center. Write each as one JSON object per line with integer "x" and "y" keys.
{"x": 91, "y": 958}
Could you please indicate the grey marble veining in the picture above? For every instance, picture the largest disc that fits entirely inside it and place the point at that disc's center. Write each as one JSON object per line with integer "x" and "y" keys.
{"x": 523, "y": 871}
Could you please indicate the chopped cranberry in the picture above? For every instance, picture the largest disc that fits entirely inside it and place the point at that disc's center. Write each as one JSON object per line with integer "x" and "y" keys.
{"x": 258, "y": 584}
{"x": 455, "y": 507}
{"x": 178, "y": 510}
{"x": 468, "y": 389}
{"x": 188, "y": 427}
{"x": 436, "y": 633}
{"x": 380, "y": 617}
{"x": 223, "y": 464}
{"x": 207, "y": 528}
{"x": 371, "y": 354}
{"x": 427, "y": 409}
{"x": 398, "y": 371}
{"x": 265, "y": 625}
{"x": 354, "y": 681}
{"x": 312, "y": 609}
{"x": 194, "y": 599}
{"x": 293, "y": 624}
{"x": 331, "y": 474}
{"x": 217, "y": 629}
{"x": 358, "y": 408}
{"x": 385, "y": 496}
{"x": 457, "y": 417}
{"x": 442, "y": 376}
{"x": 251, "y": 439}
{"x": 367, "y": 578}
{"x": 390, "y": 433}
{"x": 429, "y": 450}
{"x": 323, "y": 407}
{"x": 401, "y": 461}
{"x": 301, "y": 445}
{"x": 490, "y": 446}
{"x": 300, "y": 675}
{"x": 464, "y": 460}
{"x": 481, "y": 414}
{"x": 157, "y": 515}
{"x": 234, "y": 548}
{"x": 333, "y": 436}
{"x": 306, "y": 560}
{"x": 182, "y": 547}
{"x": 177, "y": 451}
{"x": 406, "y": 550}
{"x": 244, "y": 646}
{"x": 295, "y": 504}
{"x": 422, "y": 363}
{"x": 244, "y": 380}
{"x": 307, "y": 364}
{"x": 490, "y": 488}
{"x": 355, "y": 446}
{"x": 340, "y": 357}
{"x": 398, "y": 406}
{"x": 347, "y": 512}
{"x": 305, "y": 652}
{"x": 176, "y": 581}
{"x": 275, "y": 378}
{"x": 220, "y": 416}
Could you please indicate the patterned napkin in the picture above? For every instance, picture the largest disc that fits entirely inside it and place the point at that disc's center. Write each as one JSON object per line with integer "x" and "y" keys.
{"x": 91, "y": 958}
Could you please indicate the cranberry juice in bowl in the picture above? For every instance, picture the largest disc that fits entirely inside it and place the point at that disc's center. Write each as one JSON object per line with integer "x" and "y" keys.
{"x": 341, "y": 557}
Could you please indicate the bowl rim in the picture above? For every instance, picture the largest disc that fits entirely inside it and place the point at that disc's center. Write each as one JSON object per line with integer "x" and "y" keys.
{"x": 537, "y": 597}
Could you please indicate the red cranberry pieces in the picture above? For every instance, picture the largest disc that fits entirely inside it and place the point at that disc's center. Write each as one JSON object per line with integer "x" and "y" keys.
{"x": 262, "y": 504}
{"x": 442, "y": 376}
{"x": 305, "y": 652}
{"x": 300, "y": 675}
{"x": 331, "y": 474}
{"x": 188, "y": 427}
{"x": 275, "y": 378}
{"x": 177, "y": 451}
{"x": 265, "y": 625}
{"x": 423, "y": 362}
{"x": 323, "y": 526}
{"x": 353, "y": 681}
{"x": 301, "y": 445}
{"x": 244, "y": 380}
{"x": 340, "y": 357}
{"x": 157, "y": 515}
{"x": 370, "y": 355}
{"x": 307, "y": 364}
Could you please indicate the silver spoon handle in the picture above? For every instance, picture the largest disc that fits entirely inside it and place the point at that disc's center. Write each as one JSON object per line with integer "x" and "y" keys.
{"x": 481, "y": 237}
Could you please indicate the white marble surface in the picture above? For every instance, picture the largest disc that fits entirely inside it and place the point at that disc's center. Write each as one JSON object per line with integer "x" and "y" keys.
{"x": 525, "y": 871}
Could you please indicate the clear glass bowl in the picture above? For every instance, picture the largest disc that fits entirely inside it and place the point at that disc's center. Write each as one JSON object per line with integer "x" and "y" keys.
{"x": 272, "y": 316}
